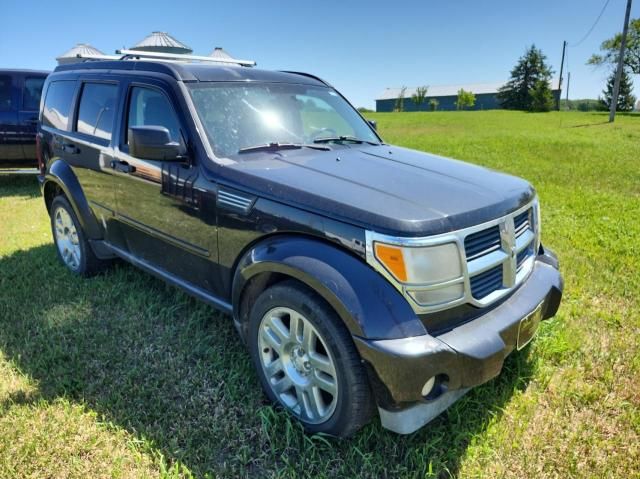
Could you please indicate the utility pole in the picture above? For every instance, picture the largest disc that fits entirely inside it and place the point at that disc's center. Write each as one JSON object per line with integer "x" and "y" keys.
{"x": 616, "y": 85}
{"x": 568, "y": 82}
{"x": 564, "y": 47}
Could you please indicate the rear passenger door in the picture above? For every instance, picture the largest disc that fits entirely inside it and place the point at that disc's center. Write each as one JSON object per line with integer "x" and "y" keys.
{"x": 28, "y": 114}
{"x": 88, "y": 147}
{"x": 10, "y": 148}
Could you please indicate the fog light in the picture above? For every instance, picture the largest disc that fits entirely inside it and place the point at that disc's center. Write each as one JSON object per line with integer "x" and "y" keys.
{"x": 428, "y": 386}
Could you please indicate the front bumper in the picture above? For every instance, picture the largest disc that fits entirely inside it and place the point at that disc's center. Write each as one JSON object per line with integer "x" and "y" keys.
{"x": 468, "y": 355}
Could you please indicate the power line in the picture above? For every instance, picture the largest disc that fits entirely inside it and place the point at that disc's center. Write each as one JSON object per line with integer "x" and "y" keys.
{"x": 592, "y": 26}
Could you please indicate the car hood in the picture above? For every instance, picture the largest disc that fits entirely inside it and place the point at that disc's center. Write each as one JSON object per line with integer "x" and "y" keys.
{"x": 386, "y": 188}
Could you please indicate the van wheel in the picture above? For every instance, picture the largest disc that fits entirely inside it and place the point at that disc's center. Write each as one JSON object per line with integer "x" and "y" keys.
{"x": 307, "y": 362}
{"x": 72, "y": 247}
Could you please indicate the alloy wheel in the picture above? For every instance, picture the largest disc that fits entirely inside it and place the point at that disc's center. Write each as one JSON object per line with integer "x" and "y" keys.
{"x": 299, "y": 368}
{"x": 67, "y": 238}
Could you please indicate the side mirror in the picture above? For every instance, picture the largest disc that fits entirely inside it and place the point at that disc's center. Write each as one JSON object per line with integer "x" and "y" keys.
{"x": 373, "y": 124}
{"x": 153, "y": 143}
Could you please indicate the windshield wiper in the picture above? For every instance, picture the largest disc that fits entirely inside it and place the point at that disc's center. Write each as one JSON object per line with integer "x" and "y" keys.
{"x": 351, "y": 139}
{"x": 274, "y": 145}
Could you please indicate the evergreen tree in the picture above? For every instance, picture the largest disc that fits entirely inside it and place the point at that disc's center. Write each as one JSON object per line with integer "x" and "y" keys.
{"x": 626, "y": 100}
{"x": 530, "y": 69}
{"x": 541, "y": 97}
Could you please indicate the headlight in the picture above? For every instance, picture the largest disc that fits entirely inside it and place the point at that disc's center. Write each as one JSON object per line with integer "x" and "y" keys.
{"x": 431, "y": 274}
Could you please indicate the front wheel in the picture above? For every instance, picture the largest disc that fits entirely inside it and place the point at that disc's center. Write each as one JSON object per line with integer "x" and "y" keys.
{"x": 307, "y": 362}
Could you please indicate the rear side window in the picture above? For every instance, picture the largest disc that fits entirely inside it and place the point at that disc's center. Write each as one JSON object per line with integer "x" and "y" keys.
{"x": 96, "y": 110}
{"x": 32, "y": 93}
{"x": 5, "y": 93}
{"x": 149, "y": 107}
{"x": 57, "y": 104}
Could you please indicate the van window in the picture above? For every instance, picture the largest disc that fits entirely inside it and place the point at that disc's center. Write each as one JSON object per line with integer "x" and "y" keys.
{"x": 5, "y": 93}
{"x": 57, "y": 104}
{"x": 32, "y": 93}
{"x": 96, "y": 110}
{"x": 149, "y": 107}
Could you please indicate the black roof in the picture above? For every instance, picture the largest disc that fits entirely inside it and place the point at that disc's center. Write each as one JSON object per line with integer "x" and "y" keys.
{"x": 195, "y": 71}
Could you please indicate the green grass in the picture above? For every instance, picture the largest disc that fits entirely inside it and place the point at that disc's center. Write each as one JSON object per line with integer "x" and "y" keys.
{"x": 123, "y": 376}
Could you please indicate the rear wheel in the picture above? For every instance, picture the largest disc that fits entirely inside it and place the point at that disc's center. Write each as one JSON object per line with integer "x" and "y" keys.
{"x": 307, "y": 362}
{"x": 72, "y": 246}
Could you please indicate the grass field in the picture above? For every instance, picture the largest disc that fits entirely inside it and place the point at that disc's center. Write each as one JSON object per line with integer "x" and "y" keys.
{"x": 123, "y": 376}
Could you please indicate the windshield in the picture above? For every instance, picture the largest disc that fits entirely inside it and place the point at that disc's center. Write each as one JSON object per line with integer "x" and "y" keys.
{"x": 240, "y": 116}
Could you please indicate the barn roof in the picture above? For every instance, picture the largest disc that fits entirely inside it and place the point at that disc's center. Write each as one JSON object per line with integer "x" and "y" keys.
{"x": 449, "y": 90}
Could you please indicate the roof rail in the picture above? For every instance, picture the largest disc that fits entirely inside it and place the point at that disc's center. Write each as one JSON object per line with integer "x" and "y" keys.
{"x": 129, "y": 54}
{"x": 98, "y": 57}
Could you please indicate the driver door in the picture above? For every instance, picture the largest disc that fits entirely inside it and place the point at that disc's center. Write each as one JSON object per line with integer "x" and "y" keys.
{"x": 157, "y": 202}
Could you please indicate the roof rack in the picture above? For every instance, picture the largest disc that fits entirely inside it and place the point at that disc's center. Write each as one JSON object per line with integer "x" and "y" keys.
{"x": 130, "y": 54}
{"x": 98, "y": 57}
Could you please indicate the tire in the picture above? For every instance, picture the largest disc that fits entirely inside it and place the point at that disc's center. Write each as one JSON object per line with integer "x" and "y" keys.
{"x": 315, "y": 372}
{"x": 72, "y": 247}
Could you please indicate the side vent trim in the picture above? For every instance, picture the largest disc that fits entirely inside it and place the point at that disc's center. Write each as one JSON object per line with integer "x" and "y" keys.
{"x": 235, "y": 201}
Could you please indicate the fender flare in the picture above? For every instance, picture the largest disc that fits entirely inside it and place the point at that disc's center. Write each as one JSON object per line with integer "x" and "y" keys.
{"x": 63, "y": 176}
{"x": 367, "y": 303}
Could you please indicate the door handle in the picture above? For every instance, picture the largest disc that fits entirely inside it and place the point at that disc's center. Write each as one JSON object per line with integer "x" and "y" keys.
{"x": 70, "y": 148}
{"x": 33, "y": 121}
{"x": 122, "y": 166}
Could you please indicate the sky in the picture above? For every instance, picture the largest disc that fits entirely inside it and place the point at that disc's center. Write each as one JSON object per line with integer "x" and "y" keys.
{"x": 360, "y": 47}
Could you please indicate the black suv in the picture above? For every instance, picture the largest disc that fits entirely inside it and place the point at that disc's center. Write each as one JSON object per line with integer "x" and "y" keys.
{"x": 363, "y": 277}
{"x": 20, "y": 92}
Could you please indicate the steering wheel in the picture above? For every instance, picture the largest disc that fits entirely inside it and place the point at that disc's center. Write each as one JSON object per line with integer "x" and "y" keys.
{"x": 317, "y": 134}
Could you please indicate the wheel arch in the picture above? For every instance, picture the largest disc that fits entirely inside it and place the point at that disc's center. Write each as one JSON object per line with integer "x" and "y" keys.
{"x": 368, "y": 304}
{"x": 60, "y": 179}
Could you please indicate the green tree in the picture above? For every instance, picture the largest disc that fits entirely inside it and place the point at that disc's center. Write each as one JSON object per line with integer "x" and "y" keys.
{"x": 626, "y": 100}
{"x": 610, "y": 49}
{"x": 419, "y": 96}
{"x": 400, "y": 99}
{"x": 466, "y": 99}
{"x": 433, "y": 104}
{"x": 531, "y": 68}
{"x": 541, "y": 97}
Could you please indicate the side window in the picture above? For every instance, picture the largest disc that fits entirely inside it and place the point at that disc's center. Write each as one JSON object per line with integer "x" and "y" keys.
{"x": 5, "y": 93}
{"x": 32, "y": 93}
{"x": 96, "y": 110}
{"x": 149, "y": 107}
{"x": 57, "y": 104}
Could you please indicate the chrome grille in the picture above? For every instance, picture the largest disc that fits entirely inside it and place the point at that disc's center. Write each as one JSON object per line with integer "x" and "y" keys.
{"x": 522, "y": 222}
{"x": 496, "y": 260}
{"x": 485, "y": 283}
{"x": 483, "y": 242}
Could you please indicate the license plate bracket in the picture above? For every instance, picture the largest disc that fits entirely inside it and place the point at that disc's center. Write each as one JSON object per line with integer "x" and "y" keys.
{"x": 528, "y": 327}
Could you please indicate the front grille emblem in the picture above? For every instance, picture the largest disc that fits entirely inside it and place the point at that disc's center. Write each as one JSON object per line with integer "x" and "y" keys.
{"x": 508, "y": 237}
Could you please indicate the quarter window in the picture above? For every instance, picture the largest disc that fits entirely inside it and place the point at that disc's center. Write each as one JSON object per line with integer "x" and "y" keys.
{"x": 5, "y": 93}
{"x": 32, "y": 93}
{"x": 57, "y": 104}
{"x": 149, "y": 107}
{"x": 96, "y": 110}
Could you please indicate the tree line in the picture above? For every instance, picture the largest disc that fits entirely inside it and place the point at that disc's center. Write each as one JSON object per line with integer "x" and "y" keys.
{"x": 529, "y": 87}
